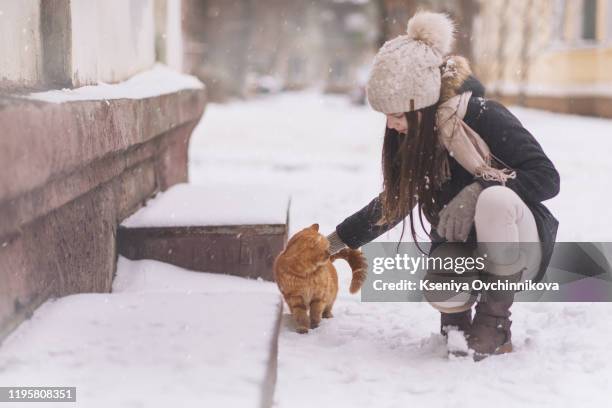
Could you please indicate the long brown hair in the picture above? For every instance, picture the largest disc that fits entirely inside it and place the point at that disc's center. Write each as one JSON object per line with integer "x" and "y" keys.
{"x": 409, "y": 163}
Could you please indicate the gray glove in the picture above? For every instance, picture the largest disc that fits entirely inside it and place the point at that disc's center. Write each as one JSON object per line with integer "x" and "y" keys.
{"x": 457, "y": 217}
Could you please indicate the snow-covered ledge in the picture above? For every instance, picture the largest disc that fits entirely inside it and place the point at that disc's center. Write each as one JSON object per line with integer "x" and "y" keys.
{"x": 159, "y": 80}
{"x": 237, "y": 230}
{"x": 76, "y": 163}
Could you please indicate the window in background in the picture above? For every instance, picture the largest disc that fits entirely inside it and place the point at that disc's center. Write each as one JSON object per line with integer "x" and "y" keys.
{"x": 589, "y": 20}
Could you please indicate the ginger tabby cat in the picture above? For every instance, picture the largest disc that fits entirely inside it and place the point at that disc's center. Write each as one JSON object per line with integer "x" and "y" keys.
{"x": 307, "y": 278}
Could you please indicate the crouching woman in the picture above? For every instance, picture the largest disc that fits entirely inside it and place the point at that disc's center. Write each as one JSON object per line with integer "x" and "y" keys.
{"x": 465, "y": 163}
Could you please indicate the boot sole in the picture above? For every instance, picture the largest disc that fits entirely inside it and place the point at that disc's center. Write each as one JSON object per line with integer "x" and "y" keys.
{"x": 503, "y": 349}
{"x": 456, "y": 353}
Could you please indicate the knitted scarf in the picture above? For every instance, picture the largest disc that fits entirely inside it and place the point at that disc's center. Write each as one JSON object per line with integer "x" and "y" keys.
{"x": 464, "y": 144}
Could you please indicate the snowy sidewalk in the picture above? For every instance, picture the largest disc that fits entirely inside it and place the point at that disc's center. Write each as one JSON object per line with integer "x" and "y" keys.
{"x": 391, "y": 355}
{"x": 325, "y": 152}
{"x": 165, "y": 337}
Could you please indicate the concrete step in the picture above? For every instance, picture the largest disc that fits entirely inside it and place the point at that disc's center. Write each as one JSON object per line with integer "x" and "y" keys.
{"x": 222, "y": 229}
{"x": 164, "y": 337}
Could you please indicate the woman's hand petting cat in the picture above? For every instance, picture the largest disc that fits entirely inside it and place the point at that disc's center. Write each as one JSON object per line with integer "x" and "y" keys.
{"x": 457, "y": 217}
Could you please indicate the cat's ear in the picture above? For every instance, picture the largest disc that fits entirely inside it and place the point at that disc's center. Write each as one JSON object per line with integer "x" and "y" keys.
{"x": 315, "y": 227}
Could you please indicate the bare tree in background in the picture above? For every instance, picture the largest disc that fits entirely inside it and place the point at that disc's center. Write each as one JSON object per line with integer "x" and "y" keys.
{"x": 468, "y": 10}
{"x": 394, "y": 15}
{"x": 217, "y": 36}
{"x": 383, "y": 31}
{"x": 528, "y": 37}
{"x": 244, "y": 48}
{"x": 501, "y": 49}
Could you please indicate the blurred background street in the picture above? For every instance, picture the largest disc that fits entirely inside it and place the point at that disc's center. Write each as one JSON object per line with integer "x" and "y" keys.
{"x": 549, "y": 54}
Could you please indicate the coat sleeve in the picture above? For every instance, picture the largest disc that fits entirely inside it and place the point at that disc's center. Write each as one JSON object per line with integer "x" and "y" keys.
{"x": 537, "y": 178}
{"x": 360, "y": 228}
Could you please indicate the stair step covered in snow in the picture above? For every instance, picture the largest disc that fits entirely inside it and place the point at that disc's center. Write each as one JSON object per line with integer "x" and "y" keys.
{"x": 237, "y": 230}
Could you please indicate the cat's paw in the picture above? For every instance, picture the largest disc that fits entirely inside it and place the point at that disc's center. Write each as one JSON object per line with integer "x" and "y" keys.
{"x": 328, "y": 315}
{"x": 314, "y": 325}
{"x": 302, "y": 330}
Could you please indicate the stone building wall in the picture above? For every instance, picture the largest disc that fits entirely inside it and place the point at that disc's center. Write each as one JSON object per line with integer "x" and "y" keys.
{"x": 72, "y": 170}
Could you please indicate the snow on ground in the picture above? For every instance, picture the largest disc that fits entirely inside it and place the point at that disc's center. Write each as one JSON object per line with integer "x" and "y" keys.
{"x": 159, "y": 80}
{"x": 316, "y": 148}
{"x": 165, "y": 337}
{"x": 391, "y": 355}
{"x": 326, "y": 154}
{"x": 580, "y": 149}
{"x": 148, "y": 276}
{"x": 186, "y": 204}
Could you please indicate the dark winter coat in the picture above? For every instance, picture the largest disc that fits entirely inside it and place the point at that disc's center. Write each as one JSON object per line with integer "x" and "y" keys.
{"x": 536, "y": 177}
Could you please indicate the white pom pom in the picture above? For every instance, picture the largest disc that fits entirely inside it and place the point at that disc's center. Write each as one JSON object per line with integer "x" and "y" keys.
{"x": 434, "y": 29}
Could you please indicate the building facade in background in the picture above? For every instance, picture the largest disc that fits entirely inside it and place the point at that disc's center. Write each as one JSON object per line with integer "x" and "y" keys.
{"x": 72, "y": 43}
{"x": 547, "y": 54}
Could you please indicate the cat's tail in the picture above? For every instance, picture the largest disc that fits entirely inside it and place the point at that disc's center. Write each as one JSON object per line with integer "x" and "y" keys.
{"x": 358, "y": 263}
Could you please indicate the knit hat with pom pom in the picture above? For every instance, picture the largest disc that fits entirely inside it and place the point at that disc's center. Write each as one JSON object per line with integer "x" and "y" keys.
{"x": 406, "y": 72}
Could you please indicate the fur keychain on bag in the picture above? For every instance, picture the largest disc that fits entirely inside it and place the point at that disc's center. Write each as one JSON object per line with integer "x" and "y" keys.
{"x": 308, "y": 280}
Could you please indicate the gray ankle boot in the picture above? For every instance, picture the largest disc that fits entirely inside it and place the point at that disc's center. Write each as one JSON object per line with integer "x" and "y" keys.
{"x": 459, "y": 321}
{"x": 490, "y": 330}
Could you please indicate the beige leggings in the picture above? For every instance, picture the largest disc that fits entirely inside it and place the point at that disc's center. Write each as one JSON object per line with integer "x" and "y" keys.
{"x": 506, "y": 232}
{"x": 502, "y": 217}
